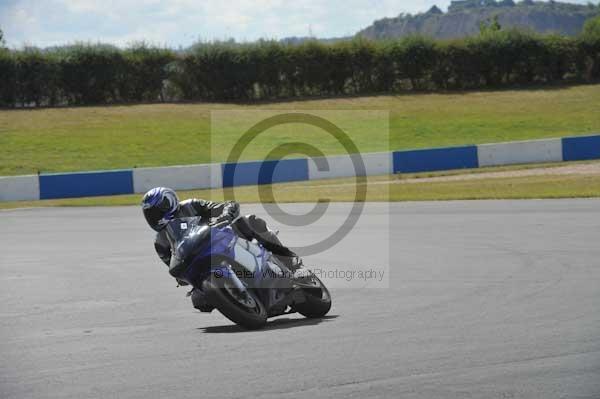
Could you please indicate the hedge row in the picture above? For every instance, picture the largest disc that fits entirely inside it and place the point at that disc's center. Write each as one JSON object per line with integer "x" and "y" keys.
{"x": 268, "y": 70}
{"x": 82, "y": 74}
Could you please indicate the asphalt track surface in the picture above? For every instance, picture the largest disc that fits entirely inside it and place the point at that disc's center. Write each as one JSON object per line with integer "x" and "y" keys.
{"x": 495, "y": 299}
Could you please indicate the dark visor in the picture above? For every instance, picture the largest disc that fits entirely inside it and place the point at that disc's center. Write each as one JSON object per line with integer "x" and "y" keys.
{"x": 154, "y": 214}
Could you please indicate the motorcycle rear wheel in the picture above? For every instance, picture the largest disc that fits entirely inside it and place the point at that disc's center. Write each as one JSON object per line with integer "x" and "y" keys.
{"x": 318, "y": 300}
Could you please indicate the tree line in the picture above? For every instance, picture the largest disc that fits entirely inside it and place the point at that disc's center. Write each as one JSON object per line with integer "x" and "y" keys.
{"x": 84, "y": 74}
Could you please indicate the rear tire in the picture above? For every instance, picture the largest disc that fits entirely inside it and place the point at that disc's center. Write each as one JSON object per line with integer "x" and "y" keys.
{"x": 318, "y": 300}
{"x": 243, "y": 308}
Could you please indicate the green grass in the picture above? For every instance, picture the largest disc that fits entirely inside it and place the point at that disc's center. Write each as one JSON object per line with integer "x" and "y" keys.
{"x": 90, "y": 138}
{"x": 379, "y": 188}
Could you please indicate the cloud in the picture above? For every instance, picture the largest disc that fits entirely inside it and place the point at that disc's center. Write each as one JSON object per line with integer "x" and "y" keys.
{"x": 181, "y": 22}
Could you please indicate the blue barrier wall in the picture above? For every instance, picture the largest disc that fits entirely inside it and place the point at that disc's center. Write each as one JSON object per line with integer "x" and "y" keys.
{"x": 581, "y": 148}
{"x": 435, "y": 159}
{"x": 86, "y": 184}
{"x": 69, "y": 185}
{"x": 267, "y": 172}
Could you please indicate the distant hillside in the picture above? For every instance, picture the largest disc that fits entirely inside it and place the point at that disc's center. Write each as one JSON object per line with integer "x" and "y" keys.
{"x": 463, "y": 19}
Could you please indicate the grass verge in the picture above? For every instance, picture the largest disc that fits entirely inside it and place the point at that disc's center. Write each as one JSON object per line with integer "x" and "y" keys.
{"x": 112, "y": 137}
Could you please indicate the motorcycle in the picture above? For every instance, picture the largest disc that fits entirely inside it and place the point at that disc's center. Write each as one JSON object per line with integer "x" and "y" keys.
{"x": 240, "y": 277}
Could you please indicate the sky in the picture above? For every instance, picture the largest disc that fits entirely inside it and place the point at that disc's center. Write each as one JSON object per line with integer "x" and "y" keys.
{"x": 179, "y": 23}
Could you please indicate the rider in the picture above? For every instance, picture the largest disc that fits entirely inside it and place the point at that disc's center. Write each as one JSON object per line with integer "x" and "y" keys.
{"x": 161, "y": 205}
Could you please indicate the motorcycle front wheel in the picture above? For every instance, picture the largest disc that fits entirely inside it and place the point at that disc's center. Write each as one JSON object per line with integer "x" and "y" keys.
{"x": 242, "y": 307}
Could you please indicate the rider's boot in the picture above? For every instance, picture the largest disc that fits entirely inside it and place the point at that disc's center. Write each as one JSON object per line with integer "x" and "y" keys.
{"x": 293, "y": 263}
{"x": 285, "y": 255}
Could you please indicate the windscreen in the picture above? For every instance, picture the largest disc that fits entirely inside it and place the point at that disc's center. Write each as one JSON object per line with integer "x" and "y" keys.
{"x": 186, "y": 236}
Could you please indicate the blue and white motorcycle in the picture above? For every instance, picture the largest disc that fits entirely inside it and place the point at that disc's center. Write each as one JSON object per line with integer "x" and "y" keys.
{"x": 240, "y": 278}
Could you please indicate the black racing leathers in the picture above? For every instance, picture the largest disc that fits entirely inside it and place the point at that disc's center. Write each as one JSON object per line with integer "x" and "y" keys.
{"x": 191, "y": 208}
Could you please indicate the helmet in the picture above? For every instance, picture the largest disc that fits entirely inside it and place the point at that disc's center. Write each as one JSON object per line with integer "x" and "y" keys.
{"x": 159, "y": 206}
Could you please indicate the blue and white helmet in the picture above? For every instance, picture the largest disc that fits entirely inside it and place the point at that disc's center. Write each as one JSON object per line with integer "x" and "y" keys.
{"x": 159, "y": 206}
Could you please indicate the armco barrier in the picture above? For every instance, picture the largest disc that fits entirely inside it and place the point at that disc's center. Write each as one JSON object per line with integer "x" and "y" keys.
{"x": 342, "y": 166}
{"x": 581, "y": 148}
{"x": 264, "y": 172}
{"x": 20, "y": 188}
{"x": 537, "y": 151}
{"x": 428, "y": 160}
{"x": 86, "y": 184}
{"x": 83, "y": 184}
{"x": 177, "y": 177}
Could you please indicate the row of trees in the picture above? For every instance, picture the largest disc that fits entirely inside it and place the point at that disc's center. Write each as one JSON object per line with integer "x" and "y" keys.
{"x": 268, "y": 70}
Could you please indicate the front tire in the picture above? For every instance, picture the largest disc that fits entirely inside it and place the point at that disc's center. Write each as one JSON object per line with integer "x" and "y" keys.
{"x": 243, "y": 308}
{"x": 200, "y": 302}
{"x": 318, "y": 299}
